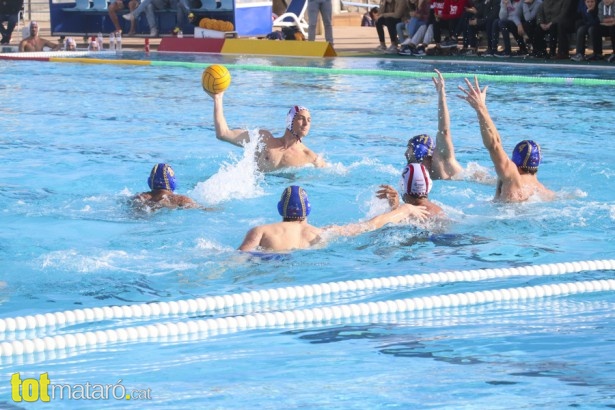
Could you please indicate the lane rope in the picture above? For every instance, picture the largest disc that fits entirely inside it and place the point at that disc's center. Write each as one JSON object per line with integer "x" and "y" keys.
{"x": 66, "y": 57}
{"x": 202, "y": 327}
{"x": 210, "y": 304}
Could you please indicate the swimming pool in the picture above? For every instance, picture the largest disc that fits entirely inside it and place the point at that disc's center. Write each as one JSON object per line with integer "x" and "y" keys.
{"x": 79, "y": 139}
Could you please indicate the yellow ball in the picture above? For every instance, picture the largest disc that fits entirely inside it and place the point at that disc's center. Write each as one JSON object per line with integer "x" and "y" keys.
{"x": 216, "y": 78}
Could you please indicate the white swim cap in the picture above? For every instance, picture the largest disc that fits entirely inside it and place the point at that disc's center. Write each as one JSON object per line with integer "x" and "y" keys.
{"x": 415, "y": 180}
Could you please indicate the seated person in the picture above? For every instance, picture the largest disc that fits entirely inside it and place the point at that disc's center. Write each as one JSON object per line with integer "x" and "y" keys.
{"x": 606, "y": 15}
{"x": 555, "y": 20}
{"x": 370, "y": 17}
{"x": 294, "y": 232}
{"x": 447, "y": 15}
{"x": 418, "y": 17}
{"x": 162, "y": 183}
{"x": 35, "y": 43}
{"x": 419, "y": 42}
{"x": 118, "y": 5}
{"x": 589, "y": 26}
{"x": 9, "y": 12}
{"x": 530, "y": 25}
{"x": 479, "y": 16}
{"x": 509, "y": 22}
{"x": 149, "y": 7}
{"x": 391, "y": 13}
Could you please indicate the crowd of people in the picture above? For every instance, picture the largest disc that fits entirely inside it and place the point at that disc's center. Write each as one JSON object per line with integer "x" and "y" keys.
{"x": 427, "y": 161}
{"x": 540, "y": 28}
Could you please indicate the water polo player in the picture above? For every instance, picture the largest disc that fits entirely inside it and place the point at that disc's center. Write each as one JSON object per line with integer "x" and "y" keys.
{"x": 294, "y": 232}
{"x": 277, "y": 152}
{"x": 162, "y": 183}
{"x": 517, "y": 177}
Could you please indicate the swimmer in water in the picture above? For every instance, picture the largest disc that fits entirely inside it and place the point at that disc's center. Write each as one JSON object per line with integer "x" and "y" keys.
{"x": 416, "y": 185}
{"x": 439, "y": 156}
{"x": 276, "y": 153}
{"x": 294, "y": 232}
{"x": 162, "y": 183}
{"x": 35, "y": 43}
{"x": 517, "y": 179}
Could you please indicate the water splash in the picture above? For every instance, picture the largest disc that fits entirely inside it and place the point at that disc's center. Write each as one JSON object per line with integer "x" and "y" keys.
{"x": 238, "y": 179}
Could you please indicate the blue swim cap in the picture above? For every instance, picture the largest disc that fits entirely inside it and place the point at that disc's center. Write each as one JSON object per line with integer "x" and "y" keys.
{"x": 422, "y": 146}
{"x": 294, "y": 203}
{"x": 162, "y": 177}
{"x": 527, "y": 155}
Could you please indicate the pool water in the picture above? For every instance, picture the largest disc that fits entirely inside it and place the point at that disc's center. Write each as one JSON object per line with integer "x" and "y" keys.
{"x": 78, "y": 140}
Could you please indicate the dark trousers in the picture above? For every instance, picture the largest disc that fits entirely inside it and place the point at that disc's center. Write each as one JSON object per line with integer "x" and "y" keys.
{"x": 531, "y": 29}
{"x": 470, "y": 32}
{"x": 452, "y": 26}
{"x": 603, "y": 31}
{"x": 593, "y": 32}
{"x": 507, "y": 27}
{"x": 391, "y": 25}
{"x": 11, "y": 22}
{"x": 557, "y": 36}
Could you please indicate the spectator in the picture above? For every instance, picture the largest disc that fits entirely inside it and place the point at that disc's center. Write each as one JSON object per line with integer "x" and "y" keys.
{"x": 530, "y": 26}
{"x": 509, "y": 22}
{"x": 447, "y": 15}
{"x": 590, "y": 25}
{"x": 419, "y": 42}
{"x": 607, "y": 26}
{"x": 556, "y": 20}
{"x": 149, "y": 6}
{"x": 402, "y": 26}
{"x": 325, "y": 9}
{"x": 392, "y": 12}
{"x": 479, "y": 16}
{"x": 419, "y": 17}
{"x": 118, "y": 5}
{"x": 370, "y": 17}
{"x": 294, "y": 232}
{"x": 35, "y": 43}
{"x": 9, "y": 12}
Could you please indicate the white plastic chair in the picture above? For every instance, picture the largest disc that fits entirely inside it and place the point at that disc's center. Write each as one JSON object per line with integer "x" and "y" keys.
{"x": 207, "y": 5}
{"x": 226, "y": 5}
{"x": 99, "y": 5}
{"x": 80, "y": 5}
{"x": 294, "y": 16}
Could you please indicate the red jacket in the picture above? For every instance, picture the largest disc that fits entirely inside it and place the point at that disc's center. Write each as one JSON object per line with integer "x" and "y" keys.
{"x": 448, "y": 9}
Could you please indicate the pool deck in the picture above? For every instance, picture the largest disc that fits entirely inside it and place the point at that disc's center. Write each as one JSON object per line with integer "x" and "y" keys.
{"x": 357, "y": 41}
{"x": 349, "y": 40}
{"x": 352, "y": 40}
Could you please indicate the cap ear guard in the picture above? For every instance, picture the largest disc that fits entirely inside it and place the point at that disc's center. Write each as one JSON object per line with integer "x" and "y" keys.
{"x": 162, "y": 177}
{"x": 294, "y": 203}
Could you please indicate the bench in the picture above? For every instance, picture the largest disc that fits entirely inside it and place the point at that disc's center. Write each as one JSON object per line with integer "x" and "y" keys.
{"x": 85, "y": 18}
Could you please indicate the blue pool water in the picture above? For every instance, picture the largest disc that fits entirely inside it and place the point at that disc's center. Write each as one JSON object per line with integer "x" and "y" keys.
{"x": 77, "y": 140}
